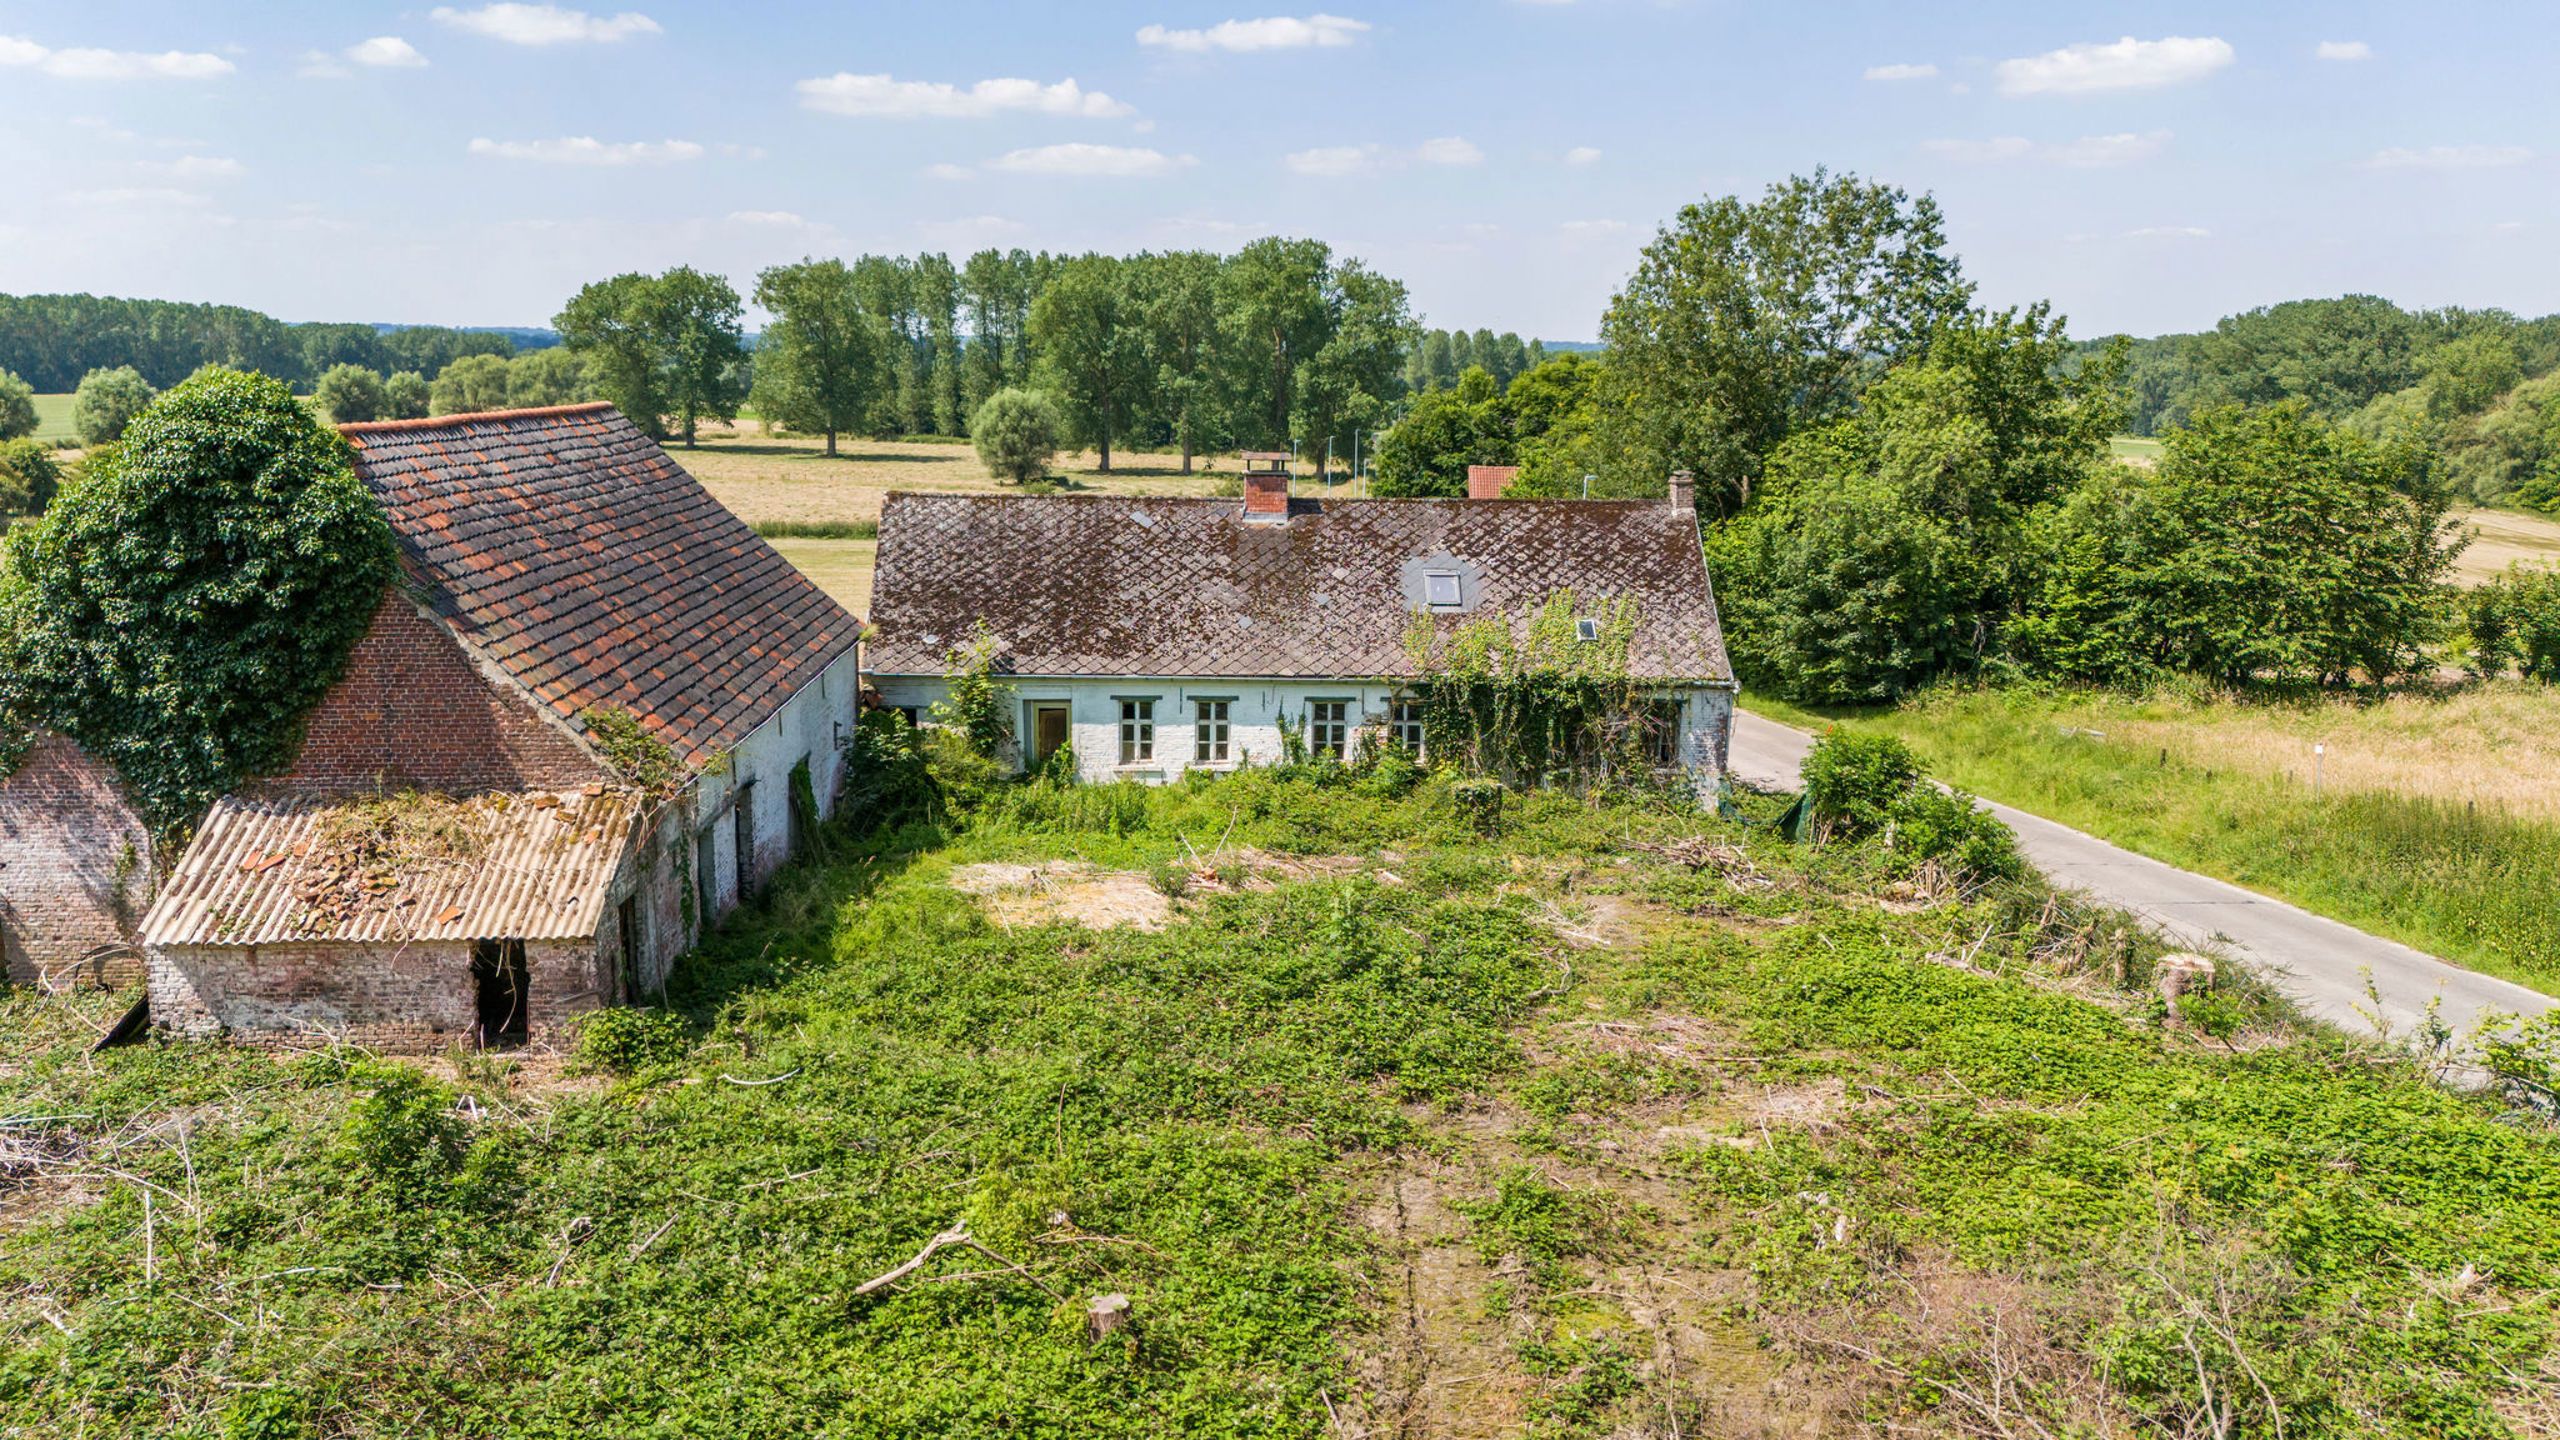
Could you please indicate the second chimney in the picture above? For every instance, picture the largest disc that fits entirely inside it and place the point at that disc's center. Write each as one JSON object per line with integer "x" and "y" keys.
{"x": 1684, "y": 490}
{"x": 1266, "y": 487}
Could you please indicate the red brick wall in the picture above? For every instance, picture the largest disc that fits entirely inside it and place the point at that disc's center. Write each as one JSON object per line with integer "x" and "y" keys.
{"x": 66, "y": 833}
{"x": 412, "y": 998}
{"x": 413, "y": 710}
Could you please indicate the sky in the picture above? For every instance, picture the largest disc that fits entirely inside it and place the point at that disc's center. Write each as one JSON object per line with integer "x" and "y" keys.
{"x": 2145, "y": 167}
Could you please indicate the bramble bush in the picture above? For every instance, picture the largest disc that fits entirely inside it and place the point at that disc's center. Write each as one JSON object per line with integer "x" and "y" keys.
{"x": 1862, "y": 786}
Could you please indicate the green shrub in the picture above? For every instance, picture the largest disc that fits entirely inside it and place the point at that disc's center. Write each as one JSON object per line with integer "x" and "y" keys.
{"x": 886, "y": 778}
{"x": 1933, "y": 824}
{"x": 1016, "y": 434}
{"x": 406, "y": 1134}
{"x": 1171, "y": 879}
{"x": 1480, "y": 802}
{"x": 29, "y": 476}
{"x": 17, "y": 406}
{"x": 1852, "y": 781}
{"x": 106, "y": 403}
{"x": 627, "y": 1040}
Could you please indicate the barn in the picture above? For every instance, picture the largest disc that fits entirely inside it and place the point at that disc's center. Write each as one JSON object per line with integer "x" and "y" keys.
{"x": 593, "y": 713}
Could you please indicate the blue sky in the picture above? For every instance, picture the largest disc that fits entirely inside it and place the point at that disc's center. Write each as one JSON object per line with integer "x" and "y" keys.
{"x": 2145, "y": 167}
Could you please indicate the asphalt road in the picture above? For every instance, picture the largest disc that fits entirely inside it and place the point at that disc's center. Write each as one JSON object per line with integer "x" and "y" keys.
{"x": 2318, "y": 960}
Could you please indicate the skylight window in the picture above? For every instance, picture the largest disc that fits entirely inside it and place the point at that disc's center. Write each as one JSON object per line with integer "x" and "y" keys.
{"x": 1586, "y": 631}
{"x": 1440, "y": 590}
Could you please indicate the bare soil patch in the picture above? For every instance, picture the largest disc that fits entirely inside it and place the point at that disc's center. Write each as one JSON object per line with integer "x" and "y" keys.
{"x": 1015, "y": 896}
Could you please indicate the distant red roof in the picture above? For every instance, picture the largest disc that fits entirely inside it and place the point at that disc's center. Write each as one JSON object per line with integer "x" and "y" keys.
{"x": 575, "y": 553}
{"x": 1487, "y": 482}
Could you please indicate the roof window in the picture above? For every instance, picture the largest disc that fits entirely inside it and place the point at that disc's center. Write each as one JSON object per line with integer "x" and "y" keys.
{"x": 1586, "y": 630}
{"x": 1440, "y": 590}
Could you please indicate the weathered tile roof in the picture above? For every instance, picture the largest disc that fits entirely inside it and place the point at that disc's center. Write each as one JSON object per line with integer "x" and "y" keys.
{"x": 570, "y": 549}
{"x": 260, "y": 872}
{"x": 1107, "y": 585}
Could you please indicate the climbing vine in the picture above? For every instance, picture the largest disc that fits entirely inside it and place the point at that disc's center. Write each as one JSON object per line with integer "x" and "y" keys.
{"x": 1550, "y": 702}
{"x": 638, "y": 757}
{"x": 977, "y": 702}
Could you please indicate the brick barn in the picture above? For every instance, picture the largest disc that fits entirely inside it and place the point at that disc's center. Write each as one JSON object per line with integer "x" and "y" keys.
{"x": 75, "y": 870}
{"x": 467, "y": 848}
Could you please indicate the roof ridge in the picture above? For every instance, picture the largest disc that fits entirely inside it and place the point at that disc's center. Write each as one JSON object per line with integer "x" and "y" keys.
{"x": 473, "y": 417}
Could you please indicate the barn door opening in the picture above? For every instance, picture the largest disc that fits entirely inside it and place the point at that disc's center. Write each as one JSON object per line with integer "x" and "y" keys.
{"x": 498, "y": 985}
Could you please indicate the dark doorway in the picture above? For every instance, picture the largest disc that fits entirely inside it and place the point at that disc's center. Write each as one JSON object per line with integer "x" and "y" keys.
{"x": 498, "y": 984}
{"x": 1048, "y": 732}
{"x": 627, "y": 923}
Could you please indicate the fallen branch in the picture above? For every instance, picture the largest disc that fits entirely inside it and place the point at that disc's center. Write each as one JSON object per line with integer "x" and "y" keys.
{"x": 956, "y": 1235}
{"x": 776, "y": 1080}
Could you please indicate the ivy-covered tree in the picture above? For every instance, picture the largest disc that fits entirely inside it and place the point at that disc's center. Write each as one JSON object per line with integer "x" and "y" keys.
{"x": 193, "y": 591}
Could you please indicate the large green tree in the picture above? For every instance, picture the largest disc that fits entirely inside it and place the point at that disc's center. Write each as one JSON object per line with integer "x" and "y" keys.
{"x": 1177, "y": 295}
{"x": 818, "y": 363}
{"x": 193, "y": 590}
{"x": 663, "y": 347}
{"x": 1748, "y": 320}
{"x": 17, "y": 407}
{"x": 471, "y": 385}
{"x": 349, "y": 393}
{"x": 1089, "y": 329}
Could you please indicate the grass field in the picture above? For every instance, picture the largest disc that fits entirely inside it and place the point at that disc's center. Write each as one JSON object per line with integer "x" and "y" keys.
{"x": 53, "y": 418}
{"x": 2437, "y": 819}
{"x": 2505, "y": 537}
{"x": 2140, "y": 449}
{"x": 1625, "y": 1122}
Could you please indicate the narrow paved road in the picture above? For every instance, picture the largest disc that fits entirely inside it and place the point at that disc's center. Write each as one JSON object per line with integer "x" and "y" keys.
{"x": 2318, "y": 960}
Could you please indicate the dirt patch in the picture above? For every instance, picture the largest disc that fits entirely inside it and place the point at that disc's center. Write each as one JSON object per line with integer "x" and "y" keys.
{"x": 1017, "y": 896}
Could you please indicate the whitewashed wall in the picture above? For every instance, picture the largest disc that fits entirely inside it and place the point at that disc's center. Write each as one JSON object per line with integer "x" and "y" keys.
{"x": 815, "y": 724}
{"x": 1254, "y": 714}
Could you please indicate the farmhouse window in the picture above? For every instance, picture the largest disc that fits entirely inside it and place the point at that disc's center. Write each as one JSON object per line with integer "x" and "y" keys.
{"x": 1137, "y": 731}
{"x": 1329, "y": 727}
{"x": 1404, "y": 723}
{"x": 1211, "y": 734}
{"x": 1662, "y": 731}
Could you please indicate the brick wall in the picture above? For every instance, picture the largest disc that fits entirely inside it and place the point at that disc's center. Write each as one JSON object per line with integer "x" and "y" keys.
{"x": 75, "y": 870}
{"x": 413, "y": 998}
{"x": 413, "y": 710}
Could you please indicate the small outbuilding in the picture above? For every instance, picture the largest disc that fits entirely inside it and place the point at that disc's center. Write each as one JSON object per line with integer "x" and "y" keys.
{"x": 594, "y": 712}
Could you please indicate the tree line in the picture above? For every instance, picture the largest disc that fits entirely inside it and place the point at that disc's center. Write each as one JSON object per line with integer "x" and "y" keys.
{"x": 1282, "y": 344}
{"x": 54, "y": 341}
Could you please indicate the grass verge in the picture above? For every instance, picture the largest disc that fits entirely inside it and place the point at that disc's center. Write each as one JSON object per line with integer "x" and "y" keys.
{"x": 2435, "y": 824}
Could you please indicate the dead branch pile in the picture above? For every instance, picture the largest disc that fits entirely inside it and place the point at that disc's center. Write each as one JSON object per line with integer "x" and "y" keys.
{"x": 359, "y": 854}
{"x": 1698, "y": 852}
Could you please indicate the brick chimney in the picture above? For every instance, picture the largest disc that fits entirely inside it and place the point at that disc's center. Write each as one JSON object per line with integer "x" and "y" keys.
{"x": 1487, "y": 482}
{"x": 1266, "y": 487}
{"x": 1684, "y": 490}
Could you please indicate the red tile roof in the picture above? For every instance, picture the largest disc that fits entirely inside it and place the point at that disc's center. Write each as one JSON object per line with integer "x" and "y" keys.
{"x": 1114, "y": 585}
{"x": 574, "y": 552}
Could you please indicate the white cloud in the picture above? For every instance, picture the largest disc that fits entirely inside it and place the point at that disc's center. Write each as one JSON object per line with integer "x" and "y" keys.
{"x": 2087, "y": 152}
{"x": 967, "y": 232}
{"x": 1277, "y": 32}
{"x": 78, "y": 64}
{"x": 1582, "y": 155}
{"x": 386, "y": 52}
{"x": 880, "y": 95}
{"x": 945, "y": 170}
{"x": 2450, "y": 157}
{"x": 2342, "y": 50}
{"x": 588, "y": 150}
{"x": 1117, "y": 162}
{"x": 197, "y": 167}
{"x": 1592, "y": 227}
{"x": 1333, "y": 161}
{"x": 1336, "y": 161}
{"x": 545, "y": 24}
{"x": 2126, "y": 64}
{"x": 1902, "y": 72}
{"x": 132, "y": 195}
{"x": 2168, "y": 232}
{"x": 784, "y": 219}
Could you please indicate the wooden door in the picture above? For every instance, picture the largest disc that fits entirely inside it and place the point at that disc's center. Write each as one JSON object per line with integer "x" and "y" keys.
{"x": 1048, "y": 732}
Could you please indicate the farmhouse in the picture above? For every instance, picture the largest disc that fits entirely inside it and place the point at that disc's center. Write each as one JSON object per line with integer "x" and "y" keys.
{"x": 594, "y": 711}
{"x": 1153, "y": 636}
{"x": 75, "y": 870}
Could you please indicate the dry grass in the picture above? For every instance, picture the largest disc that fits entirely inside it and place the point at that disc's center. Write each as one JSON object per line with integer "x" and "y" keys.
{"x": 2501, "y": 538}
{"x": 2497, "y": 745}
{"x": 842, "y": 568}
{"x": 768, "y": 477}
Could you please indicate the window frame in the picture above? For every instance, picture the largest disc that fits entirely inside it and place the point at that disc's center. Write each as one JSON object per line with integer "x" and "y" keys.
{"x": 1340, "y": 723}
{"x": 1432, "y": 580}
{"x": 1212, "y": 736}
{"x": 1404, "y": 723}
{"x": 1137, "y": 731}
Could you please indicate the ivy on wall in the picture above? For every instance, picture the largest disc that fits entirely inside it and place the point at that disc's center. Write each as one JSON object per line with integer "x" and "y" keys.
{"x": 193, "y": 591}
{"x": 1547, "y": 702}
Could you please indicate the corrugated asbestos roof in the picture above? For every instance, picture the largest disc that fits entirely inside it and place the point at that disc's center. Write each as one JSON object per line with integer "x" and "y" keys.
{"x": 540, "y": 870}
{"x": 570, "y": 549}
{"x": 1110, "y": 585}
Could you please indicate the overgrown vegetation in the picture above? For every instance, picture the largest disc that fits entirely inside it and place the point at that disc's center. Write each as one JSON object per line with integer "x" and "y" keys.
{"x": 193, "y": 590}
{"x": 1929, "y": 1156}
{"x": 637, "y": 755}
